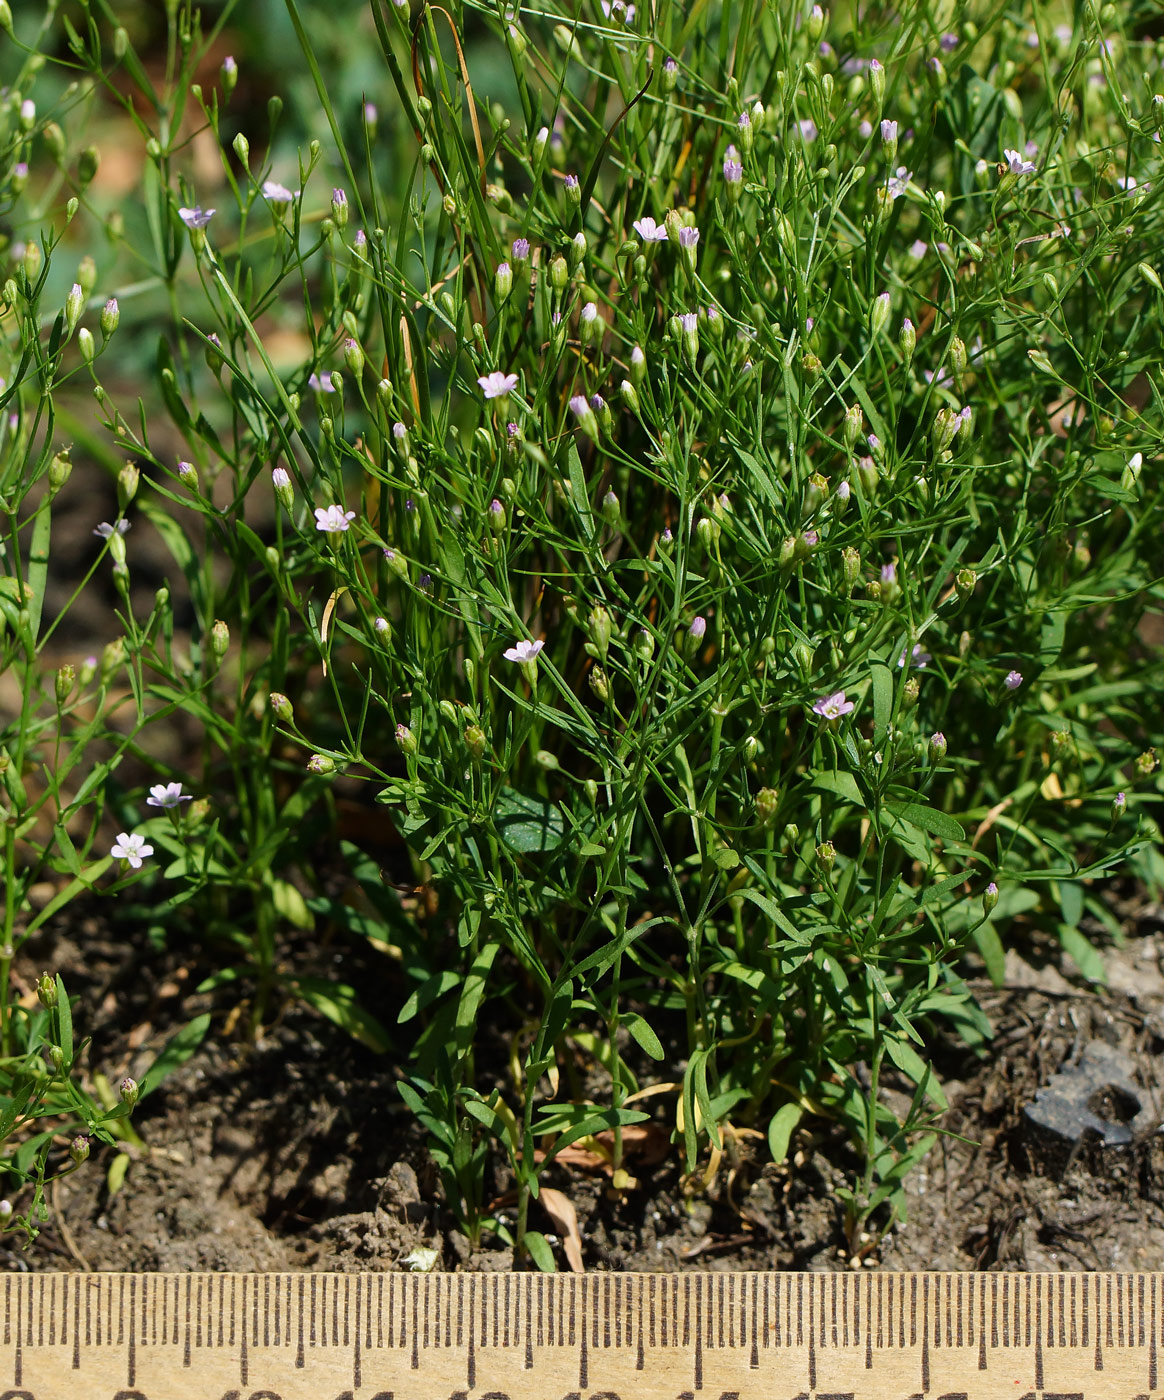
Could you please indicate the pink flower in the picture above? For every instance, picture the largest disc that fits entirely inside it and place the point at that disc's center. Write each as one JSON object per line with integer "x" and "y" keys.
{"x": 497, "y": 385}
{"x": 523, "y": 651}
{"x": 833, "y": 706}
{"x": 649, "y": 231}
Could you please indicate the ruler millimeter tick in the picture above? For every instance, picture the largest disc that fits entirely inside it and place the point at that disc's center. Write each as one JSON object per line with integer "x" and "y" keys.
{"x": 610, "y": 1336}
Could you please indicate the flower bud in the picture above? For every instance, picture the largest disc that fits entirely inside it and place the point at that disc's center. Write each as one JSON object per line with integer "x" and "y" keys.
{"x": 946, "y": 424}
{"x": 129, "y": 1091}
{"x": 599, "y": 684}
{"x": 879, "y": 314}
{"x": 957, "y": 357}
{"x": 877, "y": 83}
{"x": 854, "y": 423}
{"x": 989, "y": 897}
{"x": 127, "y": 483}
{"x": 577, "y": 250}
{"x": 219, "y": 639}
{"x": 46, "y": 990}
{"x": 585, "y": 416}
{"x": 767, "y": 802}
{"x": 353, "y": 356}
{"x": 964, "y": 583}
{"x": 320, "y": 765}
{"x": 242, "y": 149}
{"x": 31, "y": 260}
{"x": 539, "y": 144}
{"x": 695, "y": 635}
{"x": 644, "y": 644}
{"x": 60, "y": 469}
{"x": 79, "y": 1149}
{"x": 816, "y": 25}
{"x": 907, "y": 340}
{"x": 559, "y": 274}
{"x": 85, "y": 344}
{"x": 406, "y": 740}
{"x": 937, "y": 747}
{"x": 6, "y": 25}
{"x": 1130, "y": 477}
{"x": 503, "y": 281}
{"x": 599, "y": 629}
{"x": 54, "y": 140}
{"x": 851, "y": 567}
{"x": 339, "y": 208}
{"x": 280, "y": 706}
{"x": 826, "y": 854}
{"x": 630, "y": 396}
{"x": 815, "y": 494}
{"x": 63, "y": 683}
{"x": 475, "y": 742}
{"x": 1119, "y": 805}
{"x": 573, "y": 191}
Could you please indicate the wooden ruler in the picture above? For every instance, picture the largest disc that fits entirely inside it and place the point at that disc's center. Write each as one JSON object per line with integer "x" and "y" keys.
{"x": 727, "y": 1336}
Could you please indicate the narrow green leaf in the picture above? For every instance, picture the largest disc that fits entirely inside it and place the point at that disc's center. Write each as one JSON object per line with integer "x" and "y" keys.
{"x": 341, "y": 1006}
{"x": 642, "y": 1033}
{"x": 928, "y": 819}
{"x": 176, "y": 1051}
{"x": 781, "y": 1128}
{"x": 540, "y": 1251}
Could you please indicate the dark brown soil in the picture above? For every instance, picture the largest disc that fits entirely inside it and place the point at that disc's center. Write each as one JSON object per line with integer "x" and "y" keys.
{"x": 298, "y": 1153}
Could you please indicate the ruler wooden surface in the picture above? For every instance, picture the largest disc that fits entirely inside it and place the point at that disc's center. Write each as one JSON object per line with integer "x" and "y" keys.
{"x": 727, "y": 1336}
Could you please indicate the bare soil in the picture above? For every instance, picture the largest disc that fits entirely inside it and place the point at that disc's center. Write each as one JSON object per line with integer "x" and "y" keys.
{"x": 298, "y": 1154}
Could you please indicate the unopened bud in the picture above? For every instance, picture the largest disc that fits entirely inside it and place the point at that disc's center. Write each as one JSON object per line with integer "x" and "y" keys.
{"x": 877, "y": 82}
{"x": 879, "y": 314}
{"x": 127, "y": 483}
{"x": 129, "y": 1091}
{"x": 46, "y": 990}
{"x": 599, "y": 684}
{"x": 851, "y": 567}
{"x": 353, "y": 356}
{"x": 854, "y": 423}
{"x": 281, "y": 707}
{"x": 599, "y": 628}
{"x": 63, "y": 683}
{"x": 964, "y": 583}
{"x": 85, "y": 344}
{"x": 826, "y": 853}
{"x": 907, "y": 340}
{"x": 767, "y": 802}
{"x": 228, "y": 75}
{"x": 219, "y": 639}
{"x": 1130, "y": 477}
{"x": 54, "y": 140}
{"x": 321, "y": 765}
{"x": 937, "y": 747}
{"x": 60, "y": 469}
{"x": 32, "y": 260}
{"x": 989, "y": 897}
{"x": 475, "y": 742}
{"x": 405, "y": 740}
{"x": 79, "y": 1149}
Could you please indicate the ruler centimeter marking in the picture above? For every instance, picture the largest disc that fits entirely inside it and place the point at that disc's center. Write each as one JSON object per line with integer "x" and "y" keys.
{"x": 727, "y": 1336}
